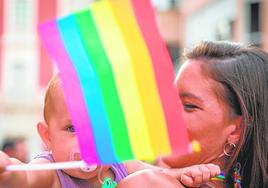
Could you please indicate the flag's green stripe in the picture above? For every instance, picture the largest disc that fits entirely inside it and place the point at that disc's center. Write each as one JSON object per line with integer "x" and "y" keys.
{"x": 104, "y": 72}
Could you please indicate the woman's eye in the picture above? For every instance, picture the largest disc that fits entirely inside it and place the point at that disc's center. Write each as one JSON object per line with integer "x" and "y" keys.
{"x": 70, "y": 128}
{"x": 189, "y": 107}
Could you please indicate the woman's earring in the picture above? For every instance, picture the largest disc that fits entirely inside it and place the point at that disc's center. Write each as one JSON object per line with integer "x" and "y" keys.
{"x": 237, "y": 176}
{"x": 228, "y": 147}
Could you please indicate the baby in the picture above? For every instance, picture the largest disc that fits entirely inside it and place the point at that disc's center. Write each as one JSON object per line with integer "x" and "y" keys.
{"x": 58, "y": 134}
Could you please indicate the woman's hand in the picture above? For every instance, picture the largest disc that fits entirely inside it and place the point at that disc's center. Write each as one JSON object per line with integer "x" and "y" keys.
{"x": 194, "y": 176}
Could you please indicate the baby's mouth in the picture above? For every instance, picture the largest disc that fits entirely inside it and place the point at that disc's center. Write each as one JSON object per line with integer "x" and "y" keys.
{"x": 75, "y": 156}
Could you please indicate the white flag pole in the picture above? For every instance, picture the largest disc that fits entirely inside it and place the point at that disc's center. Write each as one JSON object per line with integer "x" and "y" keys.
{"x": 51, "y": 166}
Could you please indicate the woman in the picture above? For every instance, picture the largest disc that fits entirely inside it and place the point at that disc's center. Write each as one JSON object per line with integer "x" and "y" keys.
{"x": 224, "y": 91}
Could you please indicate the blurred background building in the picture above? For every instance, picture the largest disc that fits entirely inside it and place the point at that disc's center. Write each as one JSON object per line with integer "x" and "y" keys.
{"x": 185, "y": 22}
{"x": 25, "y": 67}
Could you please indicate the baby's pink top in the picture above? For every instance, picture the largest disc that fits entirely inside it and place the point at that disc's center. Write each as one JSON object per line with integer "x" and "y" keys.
{"x": 67, "y": 181}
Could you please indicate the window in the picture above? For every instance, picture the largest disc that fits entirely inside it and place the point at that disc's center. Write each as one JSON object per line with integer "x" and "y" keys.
{"x": 173, "y": 50}
{"x": 20, "y": 14}
{"x": 254, "y": 22}
{"x": 224, "y": 30}
{"x": 163, "y": 5}
{"x": 254, "y": 17}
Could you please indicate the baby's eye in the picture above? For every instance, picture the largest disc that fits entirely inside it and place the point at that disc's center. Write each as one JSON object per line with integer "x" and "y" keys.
{"x": 189, "y": 107}
{"x": 70, "y": 128}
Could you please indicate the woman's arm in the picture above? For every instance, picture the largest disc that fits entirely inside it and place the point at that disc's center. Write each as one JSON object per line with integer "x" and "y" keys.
{"x": 149, "y": 178}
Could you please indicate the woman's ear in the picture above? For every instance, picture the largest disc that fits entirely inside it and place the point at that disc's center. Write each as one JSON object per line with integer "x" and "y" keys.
{"x": 42, "y": 129}
{"x": 234, "y": 136}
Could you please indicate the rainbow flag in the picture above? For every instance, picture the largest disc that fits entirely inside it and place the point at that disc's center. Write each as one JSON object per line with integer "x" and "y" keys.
{"x": 118, "y": 82}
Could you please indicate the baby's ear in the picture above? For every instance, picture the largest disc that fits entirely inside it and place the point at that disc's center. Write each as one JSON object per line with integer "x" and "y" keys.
{"x": 42, "y": 129}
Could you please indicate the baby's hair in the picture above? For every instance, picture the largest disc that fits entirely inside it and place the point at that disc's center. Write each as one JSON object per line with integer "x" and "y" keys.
{"x": 49, "y": 101}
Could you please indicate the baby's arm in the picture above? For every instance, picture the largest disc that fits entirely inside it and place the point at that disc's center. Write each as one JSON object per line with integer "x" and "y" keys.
{"x": 23, "y": 179}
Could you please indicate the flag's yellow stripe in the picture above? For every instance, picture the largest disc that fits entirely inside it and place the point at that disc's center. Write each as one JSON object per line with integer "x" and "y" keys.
{"x": 116, "y": 50}
{"x": 144, "y": 74}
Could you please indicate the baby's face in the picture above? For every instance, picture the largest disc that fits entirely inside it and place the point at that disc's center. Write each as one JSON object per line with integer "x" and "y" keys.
{"x": 63, "y": 141}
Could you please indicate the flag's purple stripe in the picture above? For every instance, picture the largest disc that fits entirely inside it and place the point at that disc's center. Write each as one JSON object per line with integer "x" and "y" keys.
{"x": 74, "y": 98}
{"x": 89, "y": 83}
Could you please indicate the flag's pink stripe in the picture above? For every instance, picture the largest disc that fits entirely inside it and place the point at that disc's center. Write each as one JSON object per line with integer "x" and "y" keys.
{"x": 164, "y": 75}
{"x": 76, "y": 105}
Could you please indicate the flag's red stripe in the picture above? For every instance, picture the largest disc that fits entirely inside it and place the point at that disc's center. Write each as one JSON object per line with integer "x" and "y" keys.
{"x": 164, "y": 75}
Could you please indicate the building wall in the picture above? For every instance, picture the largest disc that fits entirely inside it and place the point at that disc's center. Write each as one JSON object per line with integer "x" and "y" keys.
{"x": 46, "y": 10}
{"x": 168, "y": 25}
{"x": 1, "y": 33}
{"x": 264, "y": 16}
{"x": 25, "y": 67}
{"x": 208, "y": 24}
{"x": 222, "y": 20}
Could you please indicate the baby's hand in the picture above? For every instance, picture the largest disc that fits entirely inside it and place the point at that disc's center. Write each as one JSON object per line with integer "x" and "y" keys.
{"x": 196, "y": 175}
{"x": 4, "y": 161}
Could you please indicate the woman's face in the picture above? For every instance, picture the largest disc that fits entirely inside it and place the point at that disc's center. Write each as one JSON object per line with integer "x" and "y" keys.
{"x": 206, "y": 116}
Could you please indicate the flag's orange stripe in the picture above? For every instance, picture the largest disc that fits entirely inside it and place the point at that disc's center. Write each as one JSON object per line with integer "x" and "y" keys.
{"x": 144, "y": 74}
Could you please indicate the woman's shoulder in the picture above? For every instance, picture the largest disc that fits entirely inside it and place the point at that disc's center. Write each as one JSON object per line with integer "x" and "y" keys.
{"x": 149, "y": 178}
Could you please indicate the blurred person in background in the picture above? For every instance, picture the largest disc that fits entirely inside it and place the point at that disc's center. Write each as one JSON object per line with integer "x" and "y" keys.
{"x": 16, "y": 147}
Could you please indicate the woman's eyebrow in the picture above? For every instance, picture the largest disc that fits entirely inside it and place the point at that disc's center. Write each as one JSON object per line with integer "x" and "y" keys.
{"x": 190, "y": 95}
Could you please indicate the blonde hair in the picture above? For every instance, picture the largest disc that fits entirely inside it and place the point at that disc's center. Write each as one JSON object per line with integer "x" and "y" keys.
{"x": 49, "y": 101}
